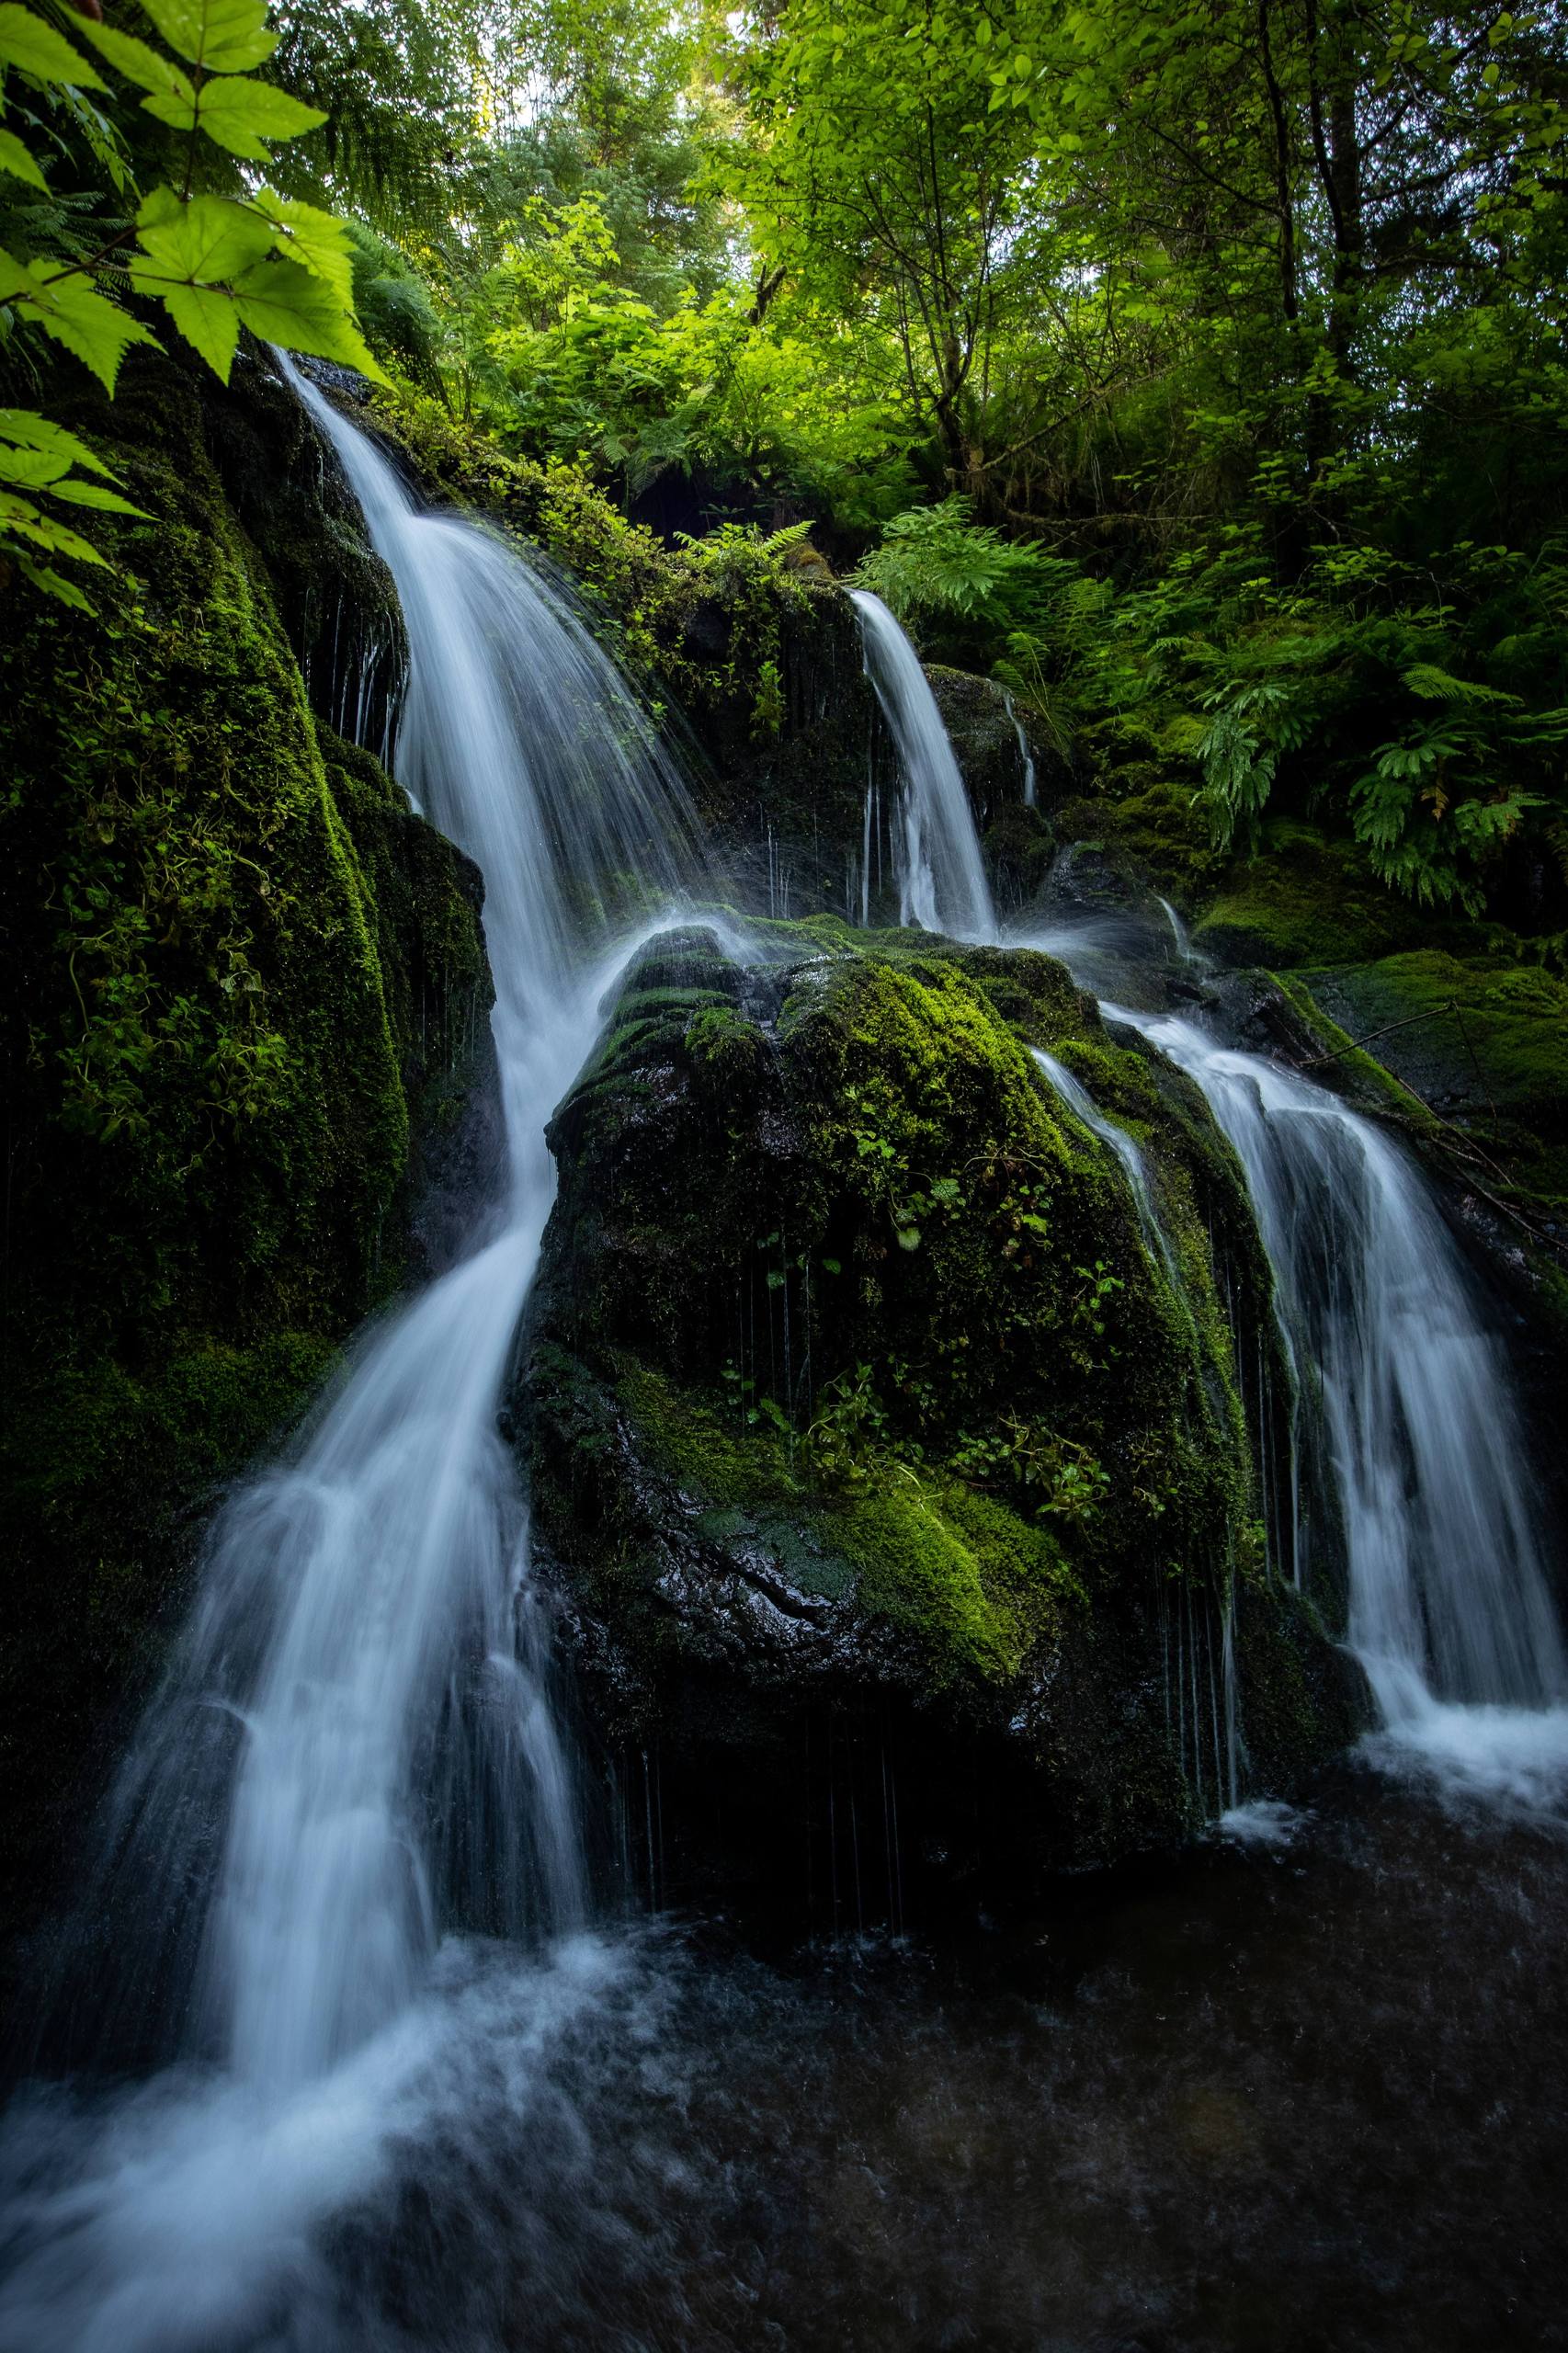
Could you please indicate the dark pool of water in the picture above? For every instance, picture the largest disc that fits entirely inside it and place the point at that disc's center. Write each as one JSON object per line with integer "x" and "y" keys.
{"x": 1304, "y": 2095}
{"x": 1301, "y": 2096}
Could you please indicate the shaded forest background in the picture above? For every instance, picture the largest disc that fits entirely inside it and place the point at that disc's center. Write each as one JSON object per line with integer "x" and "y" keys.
{"x": 1198, "y": 370}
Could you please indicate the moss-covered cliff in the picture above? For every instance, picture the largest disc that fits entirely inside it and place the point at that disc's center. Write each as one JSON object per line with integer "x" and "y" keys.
{"x": 243, "y": 992}
{"x": 859, "y": 1394}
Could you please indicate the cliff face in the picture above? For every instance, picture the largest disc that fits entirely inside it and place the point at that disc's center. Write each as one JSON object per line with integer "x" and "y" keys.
{"x": 244, "y": 1000}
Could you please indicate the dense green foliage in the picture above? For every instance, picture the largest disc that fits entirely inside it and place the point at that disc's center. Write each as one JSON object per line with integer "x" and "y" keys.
{"x": 215, "y": 251}
{"x": 1204, "y": 368}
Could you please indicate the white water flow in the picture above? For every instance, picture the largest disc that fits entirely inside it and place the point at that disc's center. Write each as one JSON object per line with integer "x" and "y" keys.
{"x": 1081, "y": 1103}
{"x": 1452, "y": 1611}
{"x": 1451, "y": 1602}
{"x": 394, "y": 1550}
{"x": 941, "y": 875}
{"x": 354, "y": 1750}
{"x": 1180, "y": 937}
{"x": 1024, "y": 753}
{"x": 364, "y": 1641}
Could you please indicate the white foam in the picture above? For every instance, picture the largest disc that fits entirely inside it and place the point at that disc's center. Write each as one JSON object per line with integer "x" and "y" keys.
{"x": 1267, "y": 1821}
{"x": 188, "y": 2217}
{"x": 1513, "y": 1759}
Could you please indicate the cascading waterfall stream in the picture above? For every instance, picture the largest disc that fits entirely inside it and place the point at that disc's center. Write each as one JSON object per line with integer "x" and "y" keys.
{"x": 1449, "y": 1597}
{"x": 1452, "y": 1611}
{"x": 355, "y": 1749}
{"x": 941, "y": 875}
{"x": 394, "y": 1551}
{"x": 1025, "y": 754}
{"x": 1081, "y": 1103}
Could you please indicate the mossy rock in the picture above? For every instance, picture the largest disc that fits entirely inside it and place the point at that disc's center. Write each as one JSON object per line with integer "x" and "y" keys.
{"x": 1479, "y": 1041}
{"x": 752, "y": 657}
{"x": 1145, "y": 823}
{"x": 855, "y": 1385}
{"x": 1301, "y": 898}
{"x": 245, "y": 1013}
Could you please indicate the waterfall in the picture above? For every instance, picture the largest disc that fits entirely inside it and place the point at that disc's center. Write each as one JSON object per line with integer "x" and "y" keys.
{"x": 1025, "y": 754}
{"x": 941, "y": 875}
{"x": 359, "y": 1610}
{"x": 1081, "y": 1103}
{"x": 1451, "y": 1602}
{"x": 354, "y": 1749}
{"x": 1449, "y": 1597}
{"x": 1180, "y": 938}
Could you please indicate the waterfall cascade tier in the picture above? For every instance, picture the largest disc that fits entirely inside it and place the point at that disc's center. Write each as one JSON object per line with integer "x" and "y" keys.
{"x": 1451, "y": 1602}
{"x": 1081, "y": 1103}
{"x": 354, "y": 1746}
{"x": 1449, "y": 1597}
{"x": 941, "y": 874}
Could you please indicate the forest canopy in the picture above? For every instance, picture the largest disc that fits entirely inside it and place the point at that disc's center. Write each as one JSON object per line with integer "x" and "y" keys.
{"x": 1198, "y": 370}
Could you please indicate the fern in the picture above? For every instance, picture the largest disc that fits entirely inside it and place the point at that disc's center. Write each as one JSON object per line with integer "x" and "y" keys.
{"x": 936, "y": 560}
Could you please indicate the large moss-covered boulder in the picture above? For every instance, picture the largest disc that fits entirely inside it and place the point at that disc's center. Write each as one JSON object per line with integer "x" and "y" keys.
{"x": 866, "y": 1408}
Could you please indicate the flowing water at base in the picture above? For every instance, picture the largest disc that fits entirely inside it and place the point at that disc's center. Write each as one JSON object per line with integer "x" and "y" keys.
{"x": 1301, "y": 2089}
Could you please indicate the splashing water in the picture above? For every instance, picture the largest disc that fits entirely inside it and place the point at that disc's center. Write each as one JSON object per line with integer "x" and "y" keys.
{"x": 355, "y": 1748}
{"x": 941, "y": 875}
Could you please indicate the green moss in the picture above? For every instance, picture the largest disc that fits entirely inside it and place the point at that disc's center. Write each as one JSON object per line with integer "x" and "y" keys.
{"x": 853, "y": 1372}
{"x": 202, "y": 1060}
{"x": 959, "y": 1569}
{"x": 1489, "y": 1036}
{"x": 1303, "y": 898}
{"x": 1345, "y": 1064}
{"x": 1150, "y": 820}
{"x": 1481, "y": 1044}
{"x": 236, "y": 972}
{"x": 970, "y": 1583}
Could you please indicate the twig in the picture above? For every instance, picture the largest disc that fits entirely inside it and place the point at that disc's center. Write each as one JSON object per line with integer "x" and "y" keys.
{"x": 1356, "y": 1044}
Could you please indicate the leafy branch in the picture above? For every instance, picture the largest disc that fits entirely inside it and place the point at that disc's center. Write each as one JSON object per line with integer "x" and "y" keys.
{"x": 214, "y": 263}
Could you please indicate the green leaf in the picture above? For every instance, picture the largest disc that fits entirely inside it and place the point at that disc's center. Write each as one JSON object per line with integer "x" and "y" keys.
{"x": 32, "y": 468}
{"x": 31, "y": 431}
{"x": 189, "y": 256}
{"x": 55, "y": 538}
{"x": 284, "y": 302}
{"x": 220, "y": 35}
{"x": 44, "y": 577}
{"x": 15, "y": 159}
{"x": 241, "y": 115}
{"x": 317, "y": 240}
{"x": 34, "y": 48}
{"x": 140, "y": 62}
{"x": 93, "y": 493}
{"x": 66, "y": 307}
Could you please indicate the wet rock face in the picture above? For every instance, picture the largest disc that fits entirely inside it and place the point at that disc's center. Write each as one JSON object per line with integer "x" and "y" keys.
{"x": 243, "y": 1034}
{"x": 860, "y": 1412}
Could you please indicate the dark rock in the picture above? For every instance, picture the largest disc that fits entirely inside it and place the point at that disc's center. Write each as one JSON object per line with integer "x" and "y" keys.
{"x": 834, "y": 1299}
